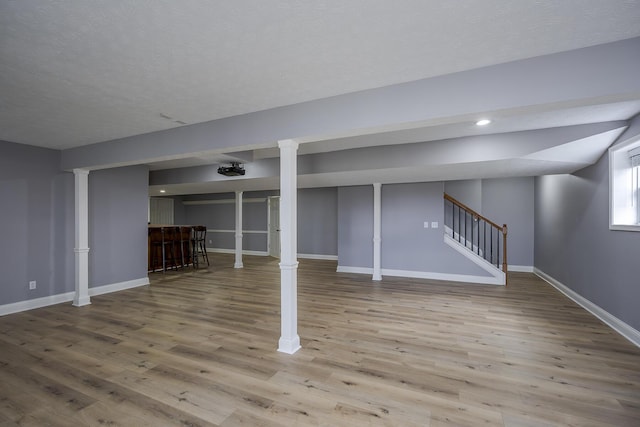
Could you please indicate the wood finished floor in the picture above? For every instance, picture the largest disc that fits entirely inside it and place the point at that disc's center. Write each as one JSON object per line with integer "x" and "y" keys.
{"x": 199, "y": 349}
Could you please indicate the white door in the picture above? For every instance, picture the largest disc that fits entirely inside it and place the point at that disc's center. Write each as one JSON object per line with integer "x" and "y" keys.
{"x": 273, "y": 220}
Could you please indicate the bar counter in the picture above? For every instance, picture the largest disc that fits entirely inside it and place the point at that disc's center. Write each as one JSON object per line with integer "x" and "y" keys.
{"x": 173, "y": 244}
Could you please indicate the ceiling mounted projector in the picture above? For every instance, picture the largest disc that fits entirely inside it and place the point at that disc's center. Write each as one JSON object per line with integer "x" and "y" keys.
{"x": 234, "y": 170}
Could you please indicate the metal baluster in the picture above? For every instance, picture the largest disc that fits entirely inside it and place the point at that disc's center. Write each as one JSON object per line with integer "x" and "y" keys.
{"x": 491, "y": 234}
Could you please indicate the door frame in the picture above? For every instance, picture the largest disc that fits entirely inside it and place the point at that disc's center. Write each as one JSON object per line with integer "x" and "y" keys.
{"x": 271, "y": 200}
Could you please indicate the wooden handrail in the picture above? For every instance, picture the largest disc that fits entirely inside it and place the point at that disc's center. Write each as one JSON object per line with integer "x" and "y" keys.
{"x": 472, "y": 212}
{"x": 477, "y": 216}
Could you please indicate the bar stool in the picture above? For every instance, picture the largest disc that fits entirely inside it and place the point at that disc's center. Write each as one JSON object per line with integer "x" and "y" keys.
{"x": 155, "y": 247}
{"x": 169, "y": 239}
{"x": 184, "y": 241}
{"x": 198, "y": 242}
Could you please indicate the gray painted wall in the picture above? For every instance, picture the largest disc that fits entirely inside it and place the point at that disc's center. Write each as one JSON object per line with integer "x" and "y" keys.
{"x": 117, "y": 225}
{"x": 222, "y": 216}
{"x": 468, "y": 191}
{"x": 355, "y": 226}
{"x": 406, "y": 244}
{"x": 36, "y": 223}
{"x": 511, "y": 201}
{"x": 504, "y": 201}
{"x": 318, "y": 221}
{"x": 574, "y": 245}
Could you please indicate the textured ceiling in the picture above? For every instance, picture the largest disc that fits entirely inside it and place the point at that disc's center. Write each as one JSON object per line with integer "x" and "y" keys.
{"x": 78, "y": 72}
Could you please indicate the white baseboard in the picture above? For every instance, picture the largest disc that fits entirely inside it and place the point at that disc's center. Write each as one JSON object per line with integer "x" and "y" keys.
{"x": 616, "y": 324}
{"x": 451, "y": 277}
{"x": 316, "y": 256}
{"x": 115, "y": 287}
{"x": 31, "y": 304}
{"x": 487, "y": 280}
{"x": 357, "y": 270}
{"x": 233, "y": 251}
{"x": 521, "y": 268}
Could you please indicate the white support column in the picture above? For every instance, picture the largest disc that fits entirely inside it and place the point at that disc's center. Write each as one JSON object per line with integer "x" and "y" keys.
{"x": 81, "y": 248}
{"x": 377, "y": 271}
{"x": 238, "y": 263}
{"x": 289, "y": 339}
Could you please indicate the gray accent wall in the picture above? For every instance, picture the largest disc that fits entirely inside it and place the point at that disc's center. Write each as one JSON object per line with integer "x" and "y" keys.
{"x": 406, "y": 244}
{"x": 318, "y": 221}
{"x": 355, "y": 226}
{"x": 504, "y": 201}
{"x": 573, "y": 243}
{"x": 468, "y": 192}
{"x": 117, "y": 225}
{"x": 511, "y": 201}
{"x": 36, "y": 223}
{"x": 222, "y": 216}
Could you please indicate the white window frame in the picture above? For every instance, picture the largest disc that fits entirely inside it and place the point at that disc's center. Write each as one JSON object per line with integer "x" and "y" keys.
{"x": 624, "y": 212}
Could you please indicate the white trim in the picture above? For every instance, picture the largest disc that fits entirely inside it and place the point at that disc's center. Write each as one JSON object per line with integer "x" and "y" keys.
{"x": 222, "y": 201}
{"x": 356, "y": 270}
{"x": 460, "y": 239}
{"x": 31, "y": 304}
{"x": 624, "y": 227}
{"x": 233, "y": 251}
{"x": 486, "y": 280}
{"x": 243, "y": 231}
{"x": 121, "y": 286}
{"x": 616, "y": 324}
{"x": 497, "y": 274}
{"x": 521, "y": 268}
{"x": 318, "y": 256}
{"x": 238, "y": 248}
{"x": 377, "y": 227}
{"x": 81, "y": 239}
{"x": 622, "y": 213}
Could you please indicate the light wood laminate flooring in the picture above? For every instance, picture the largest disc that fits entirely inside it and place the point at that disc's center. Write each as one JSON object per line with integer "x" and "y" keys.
{"x": 198, "y": 348}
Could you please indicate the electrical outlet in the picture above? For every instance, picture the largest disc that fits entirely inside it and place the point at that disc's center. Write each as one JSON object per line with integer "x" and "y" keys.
{"x": 32, "y": 284}
{"x": 210, "y": 241}
{"x": 434, "y": 224}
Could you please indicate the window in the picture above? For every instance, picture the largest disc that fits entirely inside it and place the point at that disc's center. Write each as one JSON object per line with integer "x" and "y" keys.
{"x": 624, "y": 186}
{"x": 634, "y": 155}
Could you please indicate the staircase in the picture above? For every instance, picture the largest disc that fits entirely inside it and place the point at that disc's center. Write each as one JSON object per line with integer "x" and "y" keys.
{"x": 476, "y": 237}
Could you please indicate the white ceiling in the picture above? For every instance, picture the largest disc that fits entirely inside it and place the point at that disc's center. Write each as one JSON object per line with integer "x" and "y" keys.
{"x": 75, "y": 73}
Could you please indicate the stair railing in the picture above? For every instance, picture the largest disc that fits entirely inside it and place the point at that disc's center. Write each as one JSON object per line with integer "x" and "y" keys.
{"x": 477, "y": 233}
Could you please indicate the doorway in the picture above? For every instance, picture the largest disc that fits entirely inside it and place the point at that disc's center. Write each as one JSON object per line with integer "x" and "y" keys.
{"x": 273, "y": 223}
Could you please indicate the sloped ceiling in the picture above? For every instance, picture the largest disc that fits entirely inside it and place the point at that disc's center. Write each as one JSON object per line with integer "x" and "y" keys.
{"x": 75, "y": 73}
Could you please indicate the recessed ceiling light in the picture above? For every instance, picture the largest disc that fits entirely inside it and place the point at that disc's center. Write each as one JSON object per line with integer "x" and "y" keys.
{"x": 163, "y": 191}
{"x": 483, "y": 122}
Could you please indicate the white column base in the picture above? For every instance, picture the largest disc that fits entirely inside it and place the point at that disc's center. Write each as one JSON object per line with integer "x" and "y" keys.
{"x": 289, "y": 340}
{"x": 80, "y": 301}
{"x": 289, "y": 345}
{"x": 238, "y": 263}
